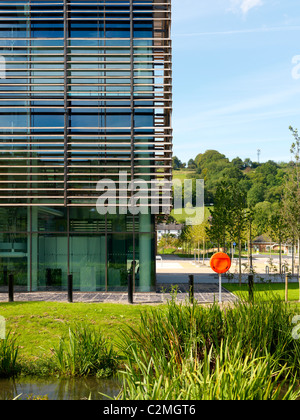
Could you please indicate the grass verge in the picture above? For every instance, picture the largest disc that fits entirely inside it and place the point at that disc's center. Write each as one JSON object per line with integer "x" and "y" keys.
{"x": 168, "y": 352}
{"x": 39, "y": 326}
{"x": 265, "y": 291}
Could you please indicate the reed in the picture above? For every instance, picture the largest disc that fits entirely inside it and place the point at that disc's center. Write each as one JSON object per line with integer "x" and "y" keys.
{"x": 84, "y": 351}
{"x": 193, "y": 352}
{"x": 8, "y": 357}
{"x": 221, "y": 375}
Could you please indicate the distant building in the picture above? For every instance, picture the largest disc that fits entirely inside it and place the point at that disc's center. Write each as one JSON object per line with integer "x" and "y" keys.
{"x": 263, "y": 243}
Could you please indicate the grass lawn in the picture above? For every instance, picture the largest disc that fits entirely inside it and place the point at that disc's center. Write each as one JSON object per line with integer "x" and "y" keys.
{"x": 38, "y": 326}
{"x": 181, "y": 218}
{"x": 264, "y": 290}
{"x": 183, "y": 174}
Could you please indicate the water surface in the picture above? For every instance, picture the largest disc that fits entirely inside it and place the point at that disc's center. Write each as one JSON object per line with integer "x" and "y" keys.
{"x": 59, "y": 389}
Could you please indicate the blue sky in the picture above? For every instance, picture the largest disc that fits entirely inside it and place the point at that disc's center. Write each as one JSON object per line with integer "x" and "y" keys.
{"x": 236, "y": 87}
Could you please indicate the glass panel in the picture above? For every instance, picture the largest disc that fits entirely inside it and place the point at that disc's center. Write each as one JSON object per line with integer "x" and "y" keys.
{"x": 120, "y": 256}
{"x": 87, "y": 262}
{"x": 85, "y": 219}
{"x": 49, "y": 219}
{"x": 13, "y": 219}
{"x": 52, "y": 262}
{"x": 13, "y": 258}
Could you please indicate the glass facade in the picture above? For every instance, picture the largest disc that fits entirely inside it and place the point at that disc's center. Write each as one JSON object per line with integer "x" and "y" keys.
{"x": 85, "y": 92}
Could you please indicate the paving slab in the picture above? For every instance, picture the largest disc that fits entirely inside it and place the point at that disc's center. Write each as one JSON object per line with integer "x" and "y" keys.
{"x": 203, "y": 293}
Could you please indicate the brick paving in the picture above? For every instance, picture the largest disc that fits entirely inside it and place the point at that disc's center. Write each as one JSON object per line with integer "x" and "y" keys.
{"x": 203, "y": 293}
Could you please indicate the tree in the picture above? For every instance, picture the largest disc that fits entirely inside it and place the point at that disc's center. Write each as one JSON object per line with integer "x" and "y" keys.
{"x": 248, "y": 163}
{"x": 191, "y": 164}
{"x": 219, "y": 217}
{"x": 185, "y": 238}
{"x": 237, "y": 219}
{"x": 238, "y": 163}
{"x": 229, "y": 217}
{"x": 278, "y": 229}
{"x": 256, "y": 194}
{"x": 199, "y": 234}
{"x": 291, "y": 192}
{"x": 177, "y": 164}
{"x": 262, "y": 213}
{"x": 208, "y": 161}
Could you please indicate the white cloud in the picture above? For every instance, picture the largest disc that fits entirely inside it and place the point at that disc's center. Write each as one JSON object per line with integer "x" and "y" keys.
{"x": 245, "y": 5}
{"x": 263, "y": 29}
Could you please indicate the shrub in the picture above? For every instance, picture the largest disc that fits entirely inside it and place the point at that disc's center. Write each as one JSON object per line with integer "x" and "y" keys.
{"x": 84, "y": 351}
{"x": 192, "y": 352}
{"x": 8, "y": 357}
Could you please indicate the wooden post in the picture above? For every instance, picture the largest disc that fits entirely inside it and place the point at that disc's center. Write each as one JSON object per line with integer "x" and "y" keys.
{"x": 251, "y": 284}
{"x": 191, "y": 288}
{"x": 286, "y": 288}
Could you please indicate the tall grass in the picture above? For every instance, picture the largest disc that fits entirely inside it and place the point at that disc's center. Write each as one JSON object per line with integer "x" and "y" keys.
{"x": 84, "y": 351}
{"x": 221, "y": 376}
{"x": 8, "y": 357}
{"x": 192, "y": 352}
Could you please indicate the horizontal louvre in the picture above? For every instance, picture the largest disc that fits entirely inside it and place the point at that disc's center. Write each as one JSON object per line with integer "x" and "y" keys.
{"x": 85, "y": 92}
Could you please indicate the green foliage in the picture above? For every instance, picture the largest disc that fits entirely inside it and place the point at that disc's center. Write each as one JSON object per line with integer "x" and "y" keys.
{"x": 291, "y": 198}
{"x": 266, "y": 187}
{"x": 177, "y": 164}
{"x": 8, "y": 357}
{"x": 219, "y": 216}
{"x": 260, "y": 181}
{"x": 84, "y": 351}
{"x": 256, "y": 194}
{"x": 189, "y": 352}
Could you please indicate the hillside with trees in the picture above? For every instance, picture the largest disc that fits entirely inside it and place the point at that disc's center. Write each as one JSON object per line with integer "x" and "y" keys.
{"x": 260, "y": 182}
{"x": 245, "y": 198}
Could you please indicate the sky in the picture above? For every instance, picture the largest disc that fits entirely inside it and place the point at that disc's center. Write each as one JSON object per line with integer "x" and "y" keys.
{"x": 236, "y": 77}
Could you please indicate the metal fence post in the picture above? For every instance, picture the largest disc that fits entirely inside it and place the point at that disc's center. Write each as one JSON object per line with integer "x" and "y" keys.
{"x": 70, "y": 288}
{"x": 130, "y": 288}
{"x": 11, "y": 288}
{"x": 191, "y": 288}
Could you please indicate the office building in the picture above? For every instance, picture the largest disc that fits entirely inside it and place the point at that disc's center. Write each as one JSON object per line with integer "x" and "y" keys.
{"x": 85, "y": 94}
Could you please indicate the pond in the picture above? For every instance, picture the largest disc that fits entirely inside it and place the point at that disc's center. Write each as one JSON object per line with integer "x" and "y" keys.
{"x": 59, "y": 389}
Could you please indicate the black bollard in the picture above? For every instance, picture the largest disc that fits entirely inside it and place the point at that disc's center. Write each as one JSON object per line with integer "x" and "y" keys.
{"x": 70, "y": 288}
{"x": 251, "y": 285}
{"x": 130, "y": 288}
{"x": 5, "y": 276}
{"x": 191, "y": 288}
{"x": 11, "y": 288}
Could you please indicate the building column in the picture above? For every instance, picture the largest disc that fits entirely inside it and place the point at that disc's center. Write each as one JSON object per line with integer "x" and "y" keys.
{"x": 145, "y": 253}
{"x": 34, "y": 248}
